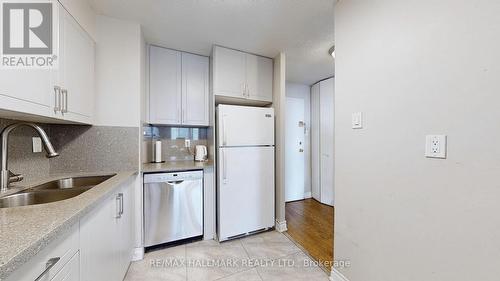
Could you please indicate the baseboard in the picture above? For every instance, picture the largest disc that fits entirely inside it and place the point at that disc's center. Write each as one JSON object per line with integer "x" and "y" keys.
{"x": 281, "y": 226}
{"x": 307, "y": 195}
{"x": 138, "y": 254}
{"x": 337, "y": 276}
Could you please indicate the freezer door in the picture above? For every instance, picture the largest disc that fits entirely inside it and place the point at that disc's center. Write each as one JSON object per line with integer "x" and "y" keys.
{"x": 245, "y": 126}
{"x": 245, "y": 190}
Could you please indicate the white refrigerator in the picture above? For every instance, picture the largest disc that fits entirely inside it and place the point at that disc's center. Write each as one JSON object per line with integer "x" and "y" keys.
{"x": 245, "y": 173}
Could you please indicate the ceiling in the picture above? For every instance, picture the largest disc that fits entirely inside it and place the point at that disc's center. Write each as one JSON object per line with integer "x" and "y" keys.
{"x": 303, "y": 29}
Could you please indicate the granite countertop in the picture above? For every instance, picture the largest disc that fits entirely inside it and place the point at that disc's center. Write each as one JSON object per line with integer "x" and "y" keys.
{"x": 176, "y": 166}
{"x": 26, "y": 230}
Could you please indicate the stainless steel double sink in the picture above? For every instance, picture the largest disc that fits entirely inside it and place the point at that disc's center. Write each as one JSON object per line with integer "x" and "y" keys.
{"x": 52, "y": 191}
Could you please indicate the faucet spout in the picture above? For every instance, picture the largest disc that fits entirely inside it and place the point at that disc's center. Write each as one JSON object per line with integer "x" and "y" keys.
{"x": 49, "y": 148}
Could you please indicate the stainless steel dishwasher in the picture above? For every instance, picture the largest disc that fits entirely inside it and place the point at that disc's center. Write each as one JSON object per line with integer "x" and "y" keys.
{"x": 173, "y": 207}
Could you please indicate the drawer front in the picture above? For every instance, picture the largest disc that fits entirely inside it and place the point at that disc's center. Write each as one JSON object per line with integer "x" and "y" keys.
{"x": 56, "y": 255}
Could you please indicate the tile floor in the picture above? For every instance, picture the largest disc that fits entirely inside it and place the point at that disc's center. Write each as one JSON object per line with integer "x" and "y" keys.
{"x": 267, "y": 256}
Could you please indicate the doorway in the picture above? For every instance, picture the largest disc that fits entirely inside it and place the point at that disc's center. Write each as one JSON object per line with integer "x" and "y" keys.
{"x": 309, "y": 195}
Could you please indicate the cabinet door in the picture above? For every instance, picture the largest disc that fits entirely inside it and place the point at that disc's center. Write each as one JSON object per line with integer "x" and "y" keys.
{"x": 125, "y": 230}
{"x": 70, "y": 271}
{"x": 259, "y": 72}
{"x": 315, "y": 142}
{"x": 76, "y": 74}
{"x": 326, "y": 140}
{"x": 194, "y": 90}
{"x": 27, "y": 91}
{"x": 229, "y": 72}
{"x": 165, "y": 86}
{"x": 97, "y": 243}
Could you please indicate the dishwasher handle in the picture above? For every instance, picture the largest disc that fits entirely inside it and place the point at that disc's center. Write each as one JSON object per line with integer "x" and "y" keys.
{"x": 175, "y": 182}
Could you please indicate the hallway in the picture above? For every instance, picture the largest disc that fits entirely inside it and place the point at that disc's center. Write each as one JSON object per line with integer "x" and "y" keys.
{"x": 310, "y": 224}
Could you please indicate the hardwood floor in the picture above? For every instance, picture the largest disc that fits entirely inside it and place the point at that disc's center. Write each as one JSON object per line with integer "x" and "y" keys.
{"x": 310, "y": 224}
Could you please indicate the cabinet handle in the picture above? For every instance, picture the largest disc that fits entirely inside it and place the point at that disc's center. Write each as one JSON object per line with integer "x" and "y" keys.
{"x": 118, "y": 206}
{"x": 244, "y": 89}
{"x": 65, "y": 103}
{"x": 50, "y": 263}
{"x": 121, "y": 203}
{"x": 57, "y": 98}
{"x": 247, "y": 90}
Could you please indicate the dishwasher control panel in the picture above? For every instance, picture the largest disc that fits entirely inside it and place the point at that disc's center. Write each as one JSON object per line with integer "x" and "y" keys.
{"x": 173, "y": 176}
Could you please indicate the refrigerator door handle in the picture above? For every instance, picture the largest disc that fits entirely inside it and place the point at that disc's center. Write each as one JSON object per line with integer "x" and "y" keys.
{"x": 224, "y": 138}
{"x": 224, "y": 167}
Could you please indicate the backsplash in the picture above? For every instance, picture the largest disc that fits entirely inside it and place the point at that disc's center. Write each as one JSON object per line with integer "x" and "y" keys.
{"x": 172, "y": 139}
{"x": 81, "y": 149}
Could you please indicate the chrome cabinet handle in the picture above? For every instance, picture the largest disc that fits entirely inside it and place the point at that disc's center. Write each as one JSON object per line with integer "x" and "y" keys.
{"x": 118, "y": 206}
{"x": 50, "y": 263}
{"x": 57, "y": 99}
{"x": 121, "y": 203}
{"x": 65, "y": 98}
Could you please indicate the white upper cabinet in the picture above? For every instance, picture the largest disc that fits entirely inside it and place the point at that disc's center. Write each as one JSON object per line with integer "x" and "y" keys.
{"x": 240, "y": 75}
{"x": 178, "y": 88}
{"x": 259, "y": 78}
{"x": 66, "y": 93}
{"x": 195, "y": 92}
{"x": 76, "y": 72}
{"x": 229, "y": 72}
{"x": 165, "y": 94}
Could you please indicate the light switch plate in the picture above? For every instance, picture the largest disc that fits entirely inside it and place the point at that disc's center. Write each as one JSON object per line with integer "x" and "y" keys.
{"x": 357, "y": 120}
{"x": 435, "y": 146}
{"x": 37, "y": 145}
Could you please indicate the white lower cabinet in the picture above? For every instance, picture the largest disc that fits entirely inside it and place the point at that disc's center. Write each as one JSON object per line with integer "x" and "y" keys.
{"x": 70, "y": 271}
{"x": 100, "y": 247}
{"x": 106, "y": 238}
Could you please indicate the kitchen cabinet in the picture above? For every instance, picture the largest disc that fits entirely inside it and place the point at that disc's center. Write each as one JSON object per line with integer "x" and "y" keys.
{"x": 76, "y": 71}
{"x": 242, "y": 76}
{"x": 322, "y": 130}
{"x": 165, "y": 93}
{"x": 64, "y": 93}
{"x": 58, "y": 256}
{"x": 70, "y": 271}
{"x": 108, "y": 257}
{"x": 195, "y": 107}
{"x": 178, "y": 88}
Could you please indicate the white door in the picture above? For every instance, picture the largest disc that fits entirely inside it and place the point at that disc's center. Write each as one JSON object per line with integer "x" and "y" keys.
{"x": 76, "y": 73}
{"x": 245, "y": 125}
{"x": 229, "y": 72}
{"x": 259, "y": 72}
{"x": 194, "y": 90}
{"x": 326, "y": 140}
{"x": 245, "y": 190}
{"x": 165, "y": 96}
{"x": 294, "y": 150}
{"x": 315, "y": 143}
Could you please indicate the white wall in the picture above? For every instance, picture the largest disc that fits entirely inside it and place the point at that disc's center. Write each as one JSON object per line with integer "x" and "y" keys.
{"x": 303, "y": 92}
{"x": 416, "y": 68}
{"x": 118, "y": 73}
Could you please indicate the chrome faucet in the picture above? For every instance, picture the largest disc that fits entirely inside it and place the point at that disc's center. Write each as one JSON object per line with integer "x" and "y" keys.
{"x": 6, "y": 176}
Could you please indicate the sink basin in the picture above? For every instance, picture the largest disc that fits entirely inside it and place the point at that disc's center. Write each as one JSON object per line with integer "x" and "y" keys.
{"x": 34, "y": 197}
{"x": 52, "y": 191}
{"x": 72, "y": 182}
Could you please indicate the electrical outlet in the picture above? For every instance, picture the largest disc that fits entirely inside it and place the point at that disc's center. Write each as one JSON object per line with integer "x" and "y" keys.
{"x": 435, "y": 146}
{"x": 37, "y": 145}
{"x": 187, "y": 143}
